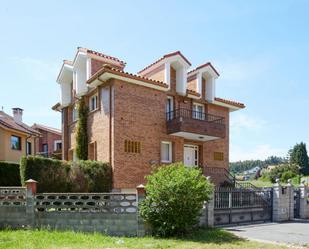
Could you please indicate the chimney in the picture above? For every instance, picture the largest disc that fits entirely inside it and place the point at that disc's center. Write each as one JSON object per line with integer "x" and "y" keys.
{"x": 18, "y": 114}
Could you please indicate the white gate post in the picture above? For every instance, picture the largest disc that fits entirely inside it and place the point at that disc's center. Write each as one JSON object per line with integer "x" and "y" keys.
{"x": 304, "y": 201}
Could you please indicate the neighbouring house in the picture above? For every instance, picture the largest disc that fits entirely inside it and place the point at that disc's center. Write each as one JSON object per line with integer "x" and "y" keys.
{"x": 17, "y": 139}
{"x": 49, "y": 144}
{"x": 165, "y": 113}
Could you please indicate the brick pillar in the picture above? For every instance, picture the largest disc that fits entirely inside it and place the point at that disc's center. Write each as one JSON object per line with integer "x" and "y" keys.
{"x": 304, "y": 201}
{"x": 140, "y": 195}
{"x": 282, "y": 202}
{"x": 31, "y": 191}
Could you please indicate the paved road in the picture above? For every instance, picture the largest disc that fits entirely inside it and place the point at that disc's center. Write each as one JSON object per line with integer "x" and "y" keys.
{"x": 296, "y": 232}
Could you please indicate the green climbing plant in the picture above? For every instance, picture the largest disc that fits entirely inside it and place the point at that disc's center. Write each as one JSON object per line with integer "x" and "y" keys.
{"x": 81, "y": 135}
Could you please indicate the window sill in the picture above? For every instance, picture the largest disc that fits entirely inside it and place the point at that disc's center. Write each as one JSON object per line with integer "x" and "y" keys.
{"x": 93, "y": 111}
{"x": 166, "y": 162}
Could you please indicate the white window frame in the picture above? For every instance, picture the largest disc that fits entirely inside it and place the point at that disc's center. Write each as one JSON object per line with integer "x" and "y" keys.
{"x": 55, "y": 144}
{"x": 170, "y": 154}
{"x": 94, "y": 96}
{"x": 169, "y": 113}
{"x": 74, "y": 113}
{"x": 195, "y": 114}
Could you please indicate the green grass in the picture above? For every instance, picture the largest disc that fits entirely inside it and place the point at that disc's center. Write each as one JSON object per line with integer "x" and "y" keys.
{"x": 264, "y": 183}
{"x": 260, "y": 183}
{"x": 203, "y": 239}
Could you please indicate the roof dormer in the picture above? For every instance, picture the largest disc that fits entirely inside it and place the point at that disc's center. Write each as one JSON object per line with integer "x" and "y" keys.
{"x": 65, "y": 79}
{"x": 209, "y": 74}
{"x": 86, "y": 63}
{"x": 161, "y": 70}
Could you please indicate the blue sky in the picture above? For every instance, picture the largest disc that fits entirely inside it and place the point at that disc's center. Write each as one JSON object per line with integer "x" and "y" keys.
{"x": 259, "y": 47}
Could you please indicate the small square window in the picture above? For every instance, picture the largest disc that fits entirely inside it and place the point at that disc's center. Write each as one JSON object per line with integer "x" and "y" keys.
{"x": 93, "y": 102}
{"x": 15, "y": 143}
{"x": 166, "y": 152}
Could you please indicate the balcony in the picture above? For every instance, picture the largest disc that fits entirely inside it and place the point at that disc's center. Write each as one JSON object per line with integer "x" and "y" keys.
{"x": 195, "y": 125}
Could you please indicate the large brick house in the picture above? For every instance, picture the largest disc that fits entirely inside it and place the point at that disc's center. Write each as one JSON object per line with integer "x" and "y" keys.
{"x": 165, "y": 113}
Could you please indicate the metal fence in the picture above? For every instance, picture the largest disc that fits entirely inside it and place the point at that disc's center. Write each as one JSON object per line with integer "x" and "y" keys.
{"x": 233, "y": 206}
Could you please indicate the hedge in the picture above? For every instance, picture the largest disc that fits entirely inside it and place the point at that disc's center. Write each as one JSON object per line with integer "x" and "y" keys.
{"x": 61, "y": 176}
{"x": 9, "y": 174}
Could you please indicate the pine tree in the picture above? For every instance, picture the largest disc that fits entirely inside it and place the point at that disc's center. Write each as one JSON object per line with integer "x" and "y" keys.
{"x": 299, "y": 156}
{"x": 82, "y": 136}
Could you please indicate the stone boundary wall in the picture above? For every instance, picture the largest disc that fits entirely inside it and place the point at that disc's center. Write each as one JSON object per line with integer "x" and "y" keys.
{"x": 110, "y": 213}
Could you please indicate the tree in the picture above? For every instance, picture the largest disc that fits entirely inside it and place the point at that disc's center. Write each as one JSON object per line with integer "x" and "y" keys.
{"x": 298, "y": 155}
{"x": 174, "y": 199}
{"x": 82, "y": 136}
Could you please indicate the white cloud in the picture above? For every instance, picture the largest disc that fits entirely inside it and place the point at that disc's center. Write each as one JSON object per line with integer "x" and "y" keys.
{"x": 36, "y": 69}
{"x": 261, "y": 152}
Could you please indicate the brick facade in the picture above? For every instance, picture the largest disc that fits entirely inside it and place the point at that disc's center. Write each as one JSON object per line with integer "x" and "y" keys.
{"x": 49, "y": 138}
{"x": 136, "y": 114}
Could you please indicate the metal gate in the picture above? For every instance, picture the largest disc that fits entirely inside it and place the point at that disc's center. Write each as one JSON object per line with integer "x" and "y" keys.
{"x": 296, "y": 203}
{"x": 234, "y": 206}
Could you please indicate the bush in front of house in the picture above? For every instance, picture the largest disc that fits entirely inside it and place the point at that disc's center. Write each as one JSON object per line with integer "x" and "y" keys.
{"x": 91, "y": 176}
{"x": 175, "y": 197}
{"x": 61, "y": 176}
{"x": 9, "y": 174}
{"x": 51, "y": 174}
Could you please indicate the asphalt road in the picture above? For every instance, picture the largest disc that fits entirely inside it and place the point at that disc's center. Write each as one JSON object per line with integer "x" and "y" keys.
{"x": 294, "y": 232}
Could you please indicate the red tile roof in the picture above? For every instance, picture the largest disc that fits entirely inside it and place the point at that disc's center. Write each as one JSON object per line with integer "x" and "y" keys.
{"x": 192, "y": 92}
{"x": 46, "y": 128}
{"x": 230, "y": 102}
{"x": 9, "y": 122}
{"x": 86, "y": 50}
{"x": 166, "y": 56}
{"x": 205, "y": 65}
{"x": 109, "y": 69}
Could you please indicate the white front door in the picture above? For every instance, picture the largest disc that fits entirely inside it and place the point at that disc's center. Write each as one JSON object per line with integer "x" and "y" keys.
{"x": 190, "y": 155}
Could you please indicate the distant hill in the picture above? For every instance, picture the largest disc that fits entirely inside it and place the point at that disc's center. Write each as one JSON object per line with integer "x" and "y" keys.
{"x": 241, "y": 166}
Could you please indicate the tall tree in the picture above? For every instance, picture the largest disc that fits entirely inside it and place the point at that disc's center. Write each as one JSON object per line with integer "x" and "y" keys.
{"x": 298, "y": 155}
{"x": 82, "y": 136}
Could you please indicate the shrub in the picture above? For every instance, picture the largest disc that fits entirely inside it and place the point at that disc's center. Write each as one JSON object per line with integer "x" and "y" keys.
{"x": 51, "y": 174}
{"x": 61, "y": 176}
{"x": 91, "y": 176}
{"x": 175, "y": 196}
{"x": 287, "y": 175}
{"x": 280, "y": 170}
{"x": 9, "y": 174}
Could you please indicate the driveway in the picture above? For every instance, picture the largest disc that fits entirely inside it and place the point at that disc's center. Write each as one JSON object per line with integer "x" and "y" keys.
{"x": 294, "y": 232}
